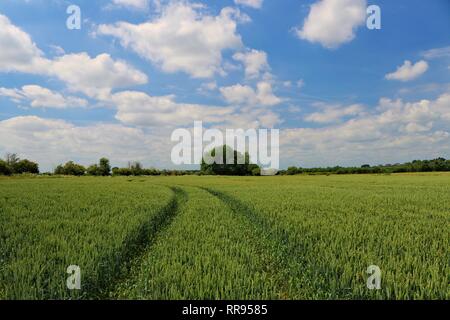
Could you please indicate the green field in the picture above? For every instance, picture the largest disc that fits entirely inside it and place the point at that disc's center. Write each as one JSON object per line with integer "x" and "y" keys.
{"x": 289, "y": 237}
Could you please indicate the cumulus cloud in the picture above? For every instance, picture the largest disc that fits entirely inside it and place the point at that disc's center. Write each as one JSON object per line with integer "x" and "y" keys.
{"x": 39, "y": 97}
{"x": 18, "y": 52}
{"x": 333, "y": 22}
{"x": 246, "y": 95}
{"x": 53, "y": 141}
{"x": 182, "y": 38}
{"x": 396, "y": 131}
{"x": 256, "y": 4}
{"x": 408, "y": 71}
{"x": 248, "y": 117}
{"x": 37, "y": 138}
{"x": 254, "y": 61}
{"x": 141, "y": 109}
{"x": 95, "y": 77}
{"x": 334, "y": 113}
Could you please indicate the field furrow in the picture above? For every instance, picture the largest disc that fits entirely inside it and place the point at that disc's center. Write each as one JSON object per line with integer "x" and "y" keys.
{"x": 97, "y": 225}
{"x": 208, "y": 252}
{"x": 282, "y": 260}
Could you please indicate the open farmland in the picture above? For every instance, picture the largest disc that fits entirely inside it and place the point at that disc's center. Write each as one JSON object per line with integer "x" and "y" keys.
{"x": 301, "y": 237}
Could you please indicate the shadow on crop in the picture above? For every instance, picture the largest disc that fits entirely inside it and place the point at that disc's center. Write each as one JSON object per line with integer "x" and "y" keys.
{"x": 134, "y": 247}
{"x": 270, "y": 240}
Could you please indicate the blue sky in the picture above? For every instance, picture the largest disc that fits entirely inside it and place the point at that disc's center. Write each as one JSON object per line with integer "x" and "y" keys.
{"x": 341, "y": 94}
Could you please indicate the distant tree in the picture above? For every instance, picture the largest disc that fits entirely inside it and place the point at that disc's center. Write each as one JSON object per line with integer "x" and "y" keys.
{"x": 93, "y": 170}
{"x": 101, "y": 169}
{"x": 152, "y": 172}
{"x": 439, "y": 164}
{"x": 104, "y": 167}
{"x": 71, "y": 169}
{"x": 74, "y": 169}
{"x": 291, "y": 171}
{"x": 240, "y": 163}
{"x": 256, "y": 171}
{"x": 13, "y": 164}
{"x": 59, "y": 170}
{"x": 26, "y": 166}
{"x": 11, "y": 159}
{"x": 136, "y": 168}
{"x": 5, "y": 169}
{"x": 122, "y": 172}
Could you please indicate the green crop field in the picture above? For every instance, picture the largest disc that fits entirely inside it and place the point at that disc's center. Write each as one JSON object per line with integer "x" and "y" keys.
{"x": 288, "y": 237}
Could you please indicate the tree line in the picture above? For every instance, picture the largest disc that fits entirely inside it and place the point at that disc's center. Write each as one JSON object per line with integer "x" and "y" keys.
{"x": 439, "y": 164}
{"x": 12, "y": 164}
{"x": 240, "y": 167}
{"x": 103, "y": 168}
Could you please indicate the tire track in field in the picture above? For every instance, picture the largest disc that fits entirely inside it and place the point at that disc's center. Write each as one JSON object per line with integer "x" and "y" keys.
{"x": 135, "y": 247}
{"x": 285, "y": 260}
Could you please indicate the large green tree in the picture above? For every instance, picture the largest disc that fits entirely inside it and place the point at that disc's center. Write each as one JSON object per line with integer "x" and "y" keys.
{"x": 238, "y": 166}
{"x": 71, "y": 169}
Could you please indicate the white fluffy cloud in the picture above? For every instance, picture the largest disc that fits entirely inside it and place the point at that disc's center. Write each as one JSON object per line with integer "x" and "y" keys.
{"x": 51, "y": 142}
{"x": 138, "y": 108}
{"x": 333, "y": 22}
{"x": 334, "y": 113}
{"x": 95, "y": 77}
{"x": 396, "y": 131}
{"x": 39, "y": 97}
{"x": 134, "y": 4}
{"x": 182, "y": 38}
{"x": 408, "y": 71}
{"x": 18, "y": 51}
{"x": 246, "y": 95}
{"x": 257, "y": 4}
{"x": 254, "y": 61}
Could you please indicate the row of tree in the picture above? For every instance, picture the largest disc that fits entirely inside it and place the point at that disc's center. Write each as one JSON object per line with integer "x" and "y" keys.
{"x": 12, "y": 164}
{"x": 241, "y": 166}
{"x": 439, "y": 164}
{"x": 135, "y": 169}
{"x": 103, "y": 168}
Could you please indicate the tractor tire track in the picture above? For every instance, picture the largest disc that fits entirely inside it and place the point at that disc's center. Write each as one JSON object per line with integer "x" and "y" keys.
{"x": 137, "y": 244}
{"x": 284, "y": 259}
